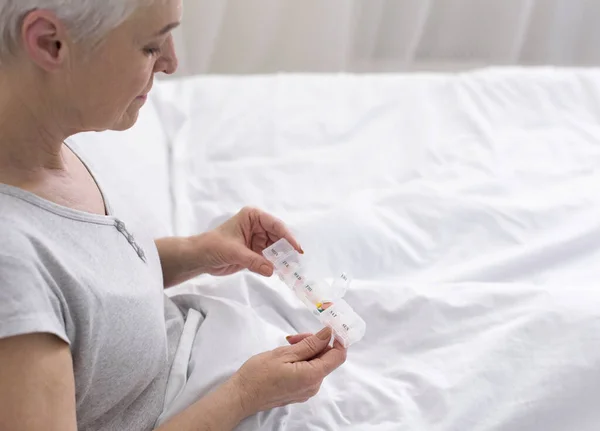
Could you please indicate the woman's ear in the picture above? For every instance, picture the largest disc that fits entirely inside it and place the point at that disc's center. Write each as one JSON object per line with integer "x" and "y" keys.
{"x": 44, "y": 39}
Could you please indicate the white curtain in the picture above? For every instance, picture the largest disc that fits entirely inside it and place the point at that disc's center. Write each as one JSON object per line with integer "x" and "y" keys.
{"x": 264, "y": 36}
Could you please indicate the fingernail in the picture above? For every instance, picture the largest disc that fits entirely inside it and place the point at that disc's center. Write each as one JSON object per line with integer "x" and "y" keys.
{"x": 324, "y": 334}
{"x": 288, "y": 338}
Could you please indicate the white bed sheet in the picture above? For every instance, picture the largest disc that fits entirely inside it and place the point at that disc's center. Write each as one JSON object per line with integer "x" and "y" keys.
{"x": 466, "y": 206}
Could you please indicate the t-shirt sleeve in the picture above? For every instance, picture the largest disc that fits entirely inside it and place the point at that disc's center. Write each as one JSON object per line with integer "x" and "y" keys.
{"x": 28, "y": 303}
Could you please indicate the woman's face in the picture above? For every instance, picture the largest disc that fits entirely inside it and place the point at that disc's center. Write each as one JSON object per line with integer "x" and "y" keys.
{"x": 107, "y": 88}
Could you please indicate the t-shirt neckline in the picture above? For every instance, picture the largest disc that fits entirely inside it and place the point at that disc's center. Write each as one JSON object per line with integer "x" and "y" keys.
{"x": 61, "y": 210}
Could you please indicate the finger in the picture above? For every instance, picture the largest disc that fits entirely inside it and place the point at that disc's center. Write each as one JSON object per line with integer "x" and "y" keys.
{"x": 260, "y": 242}
{"x": 295, "y": 339}
{"x": 327, "y": 349}
{"x": 330, "y": 360}
{"x": 253, "y": 261}
{"x": 310, "y": 346}
{"x": 277, "y": 230}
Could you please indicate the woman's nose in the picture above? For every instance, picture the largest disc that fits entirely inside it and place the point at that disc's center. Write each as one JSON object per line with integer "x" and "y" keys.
{"x": 168, "y": 62}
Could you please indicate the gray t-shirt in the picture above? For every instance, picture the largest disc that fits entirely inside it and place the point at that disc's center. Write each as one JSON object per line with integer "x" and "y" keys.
{"x": 96, "y": 283}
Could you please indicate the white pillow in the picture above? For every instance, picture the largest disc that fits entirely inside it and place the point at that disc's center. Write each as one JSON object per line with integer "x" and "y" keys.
{"x": 424, "y": 177}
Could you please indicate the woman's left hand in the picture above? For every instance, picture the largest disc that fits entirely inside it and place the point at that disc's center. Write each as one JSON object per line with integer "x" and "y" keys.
{"x": 238, "y": 243}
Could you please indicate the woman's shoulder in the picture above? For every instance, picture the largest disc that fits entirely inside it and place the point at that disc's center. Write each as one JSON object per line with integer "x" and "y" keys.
{"x": 18, "y": 243}
{"x": 28, "y": 300}
{"x": 16, "y": 207}
{"x": 25, "y": 233}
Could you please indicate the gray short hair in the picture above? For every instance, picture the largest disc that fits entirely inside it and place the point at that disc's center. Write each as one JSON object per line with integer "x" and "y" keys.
{"x": 87, "y": 20}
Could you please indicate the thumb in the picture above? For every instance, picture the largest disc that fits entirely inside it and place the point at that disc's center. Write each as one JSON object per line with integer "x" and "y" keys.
{"x": 254, "y": 262}
{"x": 311, "y": 346}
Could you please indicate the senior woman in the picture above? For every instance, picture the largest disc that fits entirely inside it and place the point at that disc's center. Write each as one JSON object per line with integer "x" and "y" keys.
{"x": 87, "y": 336}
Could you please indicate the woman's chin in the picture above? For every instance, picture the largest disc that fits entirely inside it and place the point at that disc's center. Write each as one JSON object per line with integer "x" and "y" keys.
{"x": 117, "y": 123}
{"x": 128, "y": 120}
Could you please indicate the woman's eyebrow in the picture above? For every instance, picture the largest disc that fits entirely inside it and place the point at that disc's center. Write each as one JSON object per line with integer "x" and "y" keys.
{"x": 168, "y": 28}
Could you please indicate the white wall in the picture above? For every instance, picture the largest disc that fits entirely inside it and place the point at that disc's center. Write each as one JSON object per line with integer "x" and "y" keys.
{"x": 262, "y": 36}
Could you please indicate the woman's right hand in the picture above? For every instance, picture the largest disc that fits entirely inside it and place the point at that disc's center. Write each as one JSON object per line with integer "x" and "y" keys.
{"x": 290, "y": 374}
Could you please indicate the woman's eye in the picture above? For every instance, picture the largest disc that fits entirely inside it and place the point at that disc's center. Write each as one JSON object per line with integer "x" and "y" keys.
{"x": 151, "y": 51}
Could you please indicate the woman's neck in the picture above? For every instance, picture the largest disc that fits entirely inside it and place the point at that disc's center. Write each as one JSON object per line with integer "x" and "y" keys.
{"x": 31, "y": 142}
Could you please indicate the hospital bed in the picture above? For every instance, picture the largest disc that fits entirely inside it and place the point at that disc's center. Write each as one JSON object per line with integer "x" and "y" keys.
{"x": 465, "y": 206}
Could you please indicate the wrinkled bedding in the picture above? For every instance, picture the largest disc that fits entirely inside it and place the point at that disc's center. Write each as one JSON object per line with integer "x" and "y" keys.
{"x": 467, "y": 207}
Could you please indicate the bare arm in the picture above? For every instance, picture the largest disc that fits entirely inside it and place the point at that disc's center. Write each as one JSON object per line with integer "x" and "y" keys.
{"x": 233, "y": 246}
{"x": 221, "y": 410}
{"x": 179, "y": 260}
{"x": 37, "y": 389}
{"x": 276, "y": 378}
